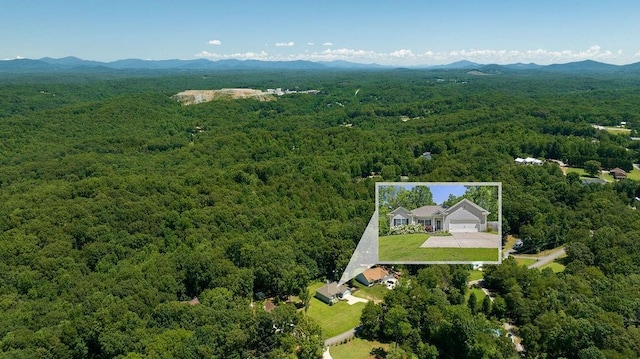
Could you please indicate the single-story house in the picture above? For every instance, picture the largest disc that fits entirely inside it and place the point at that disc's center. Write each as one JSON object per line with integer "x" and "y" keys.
{"x": 464, "y": 216}
{"x": 372, "y": 276}
{"x": 618, "y": 173}
{"x": 426, "y": 155}
{"x": 331, "y": 293}
{"x": 528, "y": 161}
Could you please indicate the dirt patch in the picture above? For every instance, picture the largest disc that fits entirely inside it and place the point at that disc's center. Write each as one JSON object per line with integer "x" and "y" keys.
{"x": 192, "y": 97}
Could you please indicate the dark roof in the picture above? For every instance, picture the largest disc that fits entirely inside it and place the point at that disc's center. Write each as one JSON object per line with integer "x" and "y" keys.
{"x": 331, "y": 289}
{"x": 426, "y": 211}
{"x": 430, "y": 210}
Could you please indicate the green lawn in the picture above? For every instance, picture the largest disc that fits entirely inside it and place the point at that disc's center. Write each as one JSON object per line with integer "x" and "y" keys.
{"x": 399, "y": 246}
{"x": 479, "y": 294}
{"x": 334, "y": 319}
{"x": 555, "y": 267}
{"x": 356, "y": 349}
{"x": 406, "y": 248}
{"x": 475, "y": 275}
{"x": 375, "y": 292}
{"x": 581, "y": 172}
{"x": 634, "y": 175}
{"x": 617, "y": 131}
{"x": 526, "y": 261}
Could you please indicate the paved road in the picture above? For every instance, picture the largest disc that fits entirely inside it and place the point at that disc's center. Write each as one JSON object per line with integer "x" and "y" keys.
{"x": 542, "y": 261}
{"x": 340, "y": 337}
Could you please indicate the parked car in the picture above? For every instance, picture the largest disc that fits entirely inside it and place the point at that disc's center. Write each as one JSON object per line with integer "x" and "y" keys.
{"x": 518, "y": 244}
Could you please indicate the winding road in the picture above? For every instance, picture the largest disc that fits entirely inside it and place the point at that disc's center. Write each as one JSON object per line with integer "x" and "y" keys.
{"x": 542, "y": 261}
{"x": 340, "y": 337}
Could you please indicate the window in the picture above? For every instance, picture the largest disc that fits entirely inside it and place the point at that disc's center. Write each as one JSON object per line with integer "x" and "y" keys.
{"x": 400, "y": 221}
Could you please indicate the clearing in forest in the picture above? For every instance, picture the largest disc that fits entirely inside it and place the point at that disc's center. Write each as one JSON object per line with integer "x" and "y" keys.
{"x": 192, "y": 97}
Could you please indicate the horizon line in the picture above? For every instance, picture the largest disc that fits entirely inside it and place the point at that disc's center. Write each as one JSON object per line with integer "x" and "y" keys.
{"x": 321, "y": 61}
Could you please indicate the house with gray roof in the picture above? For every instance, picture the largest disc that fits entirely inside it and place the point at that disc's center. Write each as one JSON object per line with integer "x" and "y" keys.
{"x": 464, "y": 216}
{"x": 331, "y": 293}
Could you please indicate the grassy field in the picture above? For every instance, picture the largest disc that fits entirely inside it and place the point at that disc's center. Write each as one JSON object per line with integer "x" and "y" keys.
{"x": 375, "y": 293}
{"x": 356, "y": 349}
{"x": 617, "y": 131}
{"x": 581, "y": 172}
{"x": 334, "y": 319}
{"x": 540, "y": 254}
{"x": 399, "y": 246}
{"x": 479, "y": 294}
{"x": 475, "y": 275}
{"x": 526, "y": 261}
{"x": 634, "y": 175}
{"x": 555, "y": 267}
{"x": 511, "y": 240}
{"x": 406, "y": 248}
{"x": 607, "y": 177}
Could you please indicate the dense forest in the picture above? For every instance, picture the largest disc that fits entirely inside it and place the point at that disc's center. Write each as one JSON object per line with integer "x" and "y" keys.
{"x": 118, "y": 205}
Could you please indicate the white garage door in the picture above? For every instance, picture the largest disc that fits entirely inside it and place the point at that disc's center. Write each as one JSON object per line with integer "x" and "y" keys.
{"x": 463, "y": 227}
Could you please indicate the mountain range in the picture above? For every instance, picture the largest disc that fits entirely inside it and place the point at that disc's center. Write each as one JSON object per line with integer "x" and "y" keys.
{"x": 74, "y": 64}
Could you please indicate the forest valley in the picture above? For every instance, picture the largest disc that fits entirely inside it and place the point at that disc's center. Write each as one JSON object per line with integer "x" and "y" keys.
{"x": 118, "y": 205}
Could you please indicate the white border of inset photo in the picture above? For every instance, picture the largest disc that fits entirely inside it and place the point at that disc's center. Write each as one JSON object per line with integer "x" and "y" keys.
{"x": 449, "y": 218}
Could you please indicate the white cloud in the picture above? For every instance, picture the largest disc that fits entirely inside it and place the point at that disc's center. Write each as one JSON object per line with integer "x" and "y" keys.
{"x": 407, "y": 57}
{"x": 18, "y": 57}
{"x": 239, "y": 55}
{"x": 215, "y": 42}
{"x": 285, "y": 44}
{"x": 327, "y": 44}
{"x": 637, "y": 54}
{"x": 310, "y": 43}
{"x": 403, "y": 53}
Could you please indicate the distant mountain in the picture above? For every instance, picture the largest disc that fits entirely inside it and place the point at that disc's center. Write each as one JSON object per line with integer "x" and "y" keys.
{"x": 25, "y": 65}
{"x": 521, "y": 66}
{"x": 463, "y": 64}
{"x": 74, "y": 64}
{"x": 71, "y": 61}
{"x": 632, "y": 67}
{"x": 586, "y": 66}
{"x": 340, "y": 64}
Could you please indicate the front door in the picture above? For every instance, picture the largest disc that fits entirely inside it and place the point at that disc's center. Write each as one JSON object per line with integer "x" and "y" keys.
{"x": 438, "y": 225}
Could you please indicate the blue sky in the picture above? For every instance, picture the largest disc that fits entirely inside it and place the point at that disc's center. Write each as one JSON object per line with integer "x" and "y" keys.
{"x": 440, "y": 191}
{"x": 410, "y": 32}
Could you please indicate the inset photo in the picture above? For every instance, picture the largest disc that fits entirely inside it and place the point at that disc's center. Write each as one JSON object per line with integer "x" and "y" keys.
{"x": 440, "y": 222}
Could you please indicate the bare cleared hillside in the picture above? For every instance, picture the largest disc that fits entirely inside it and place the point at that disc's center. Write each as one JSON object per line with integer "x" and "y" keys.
{"x": 192, "y": 97}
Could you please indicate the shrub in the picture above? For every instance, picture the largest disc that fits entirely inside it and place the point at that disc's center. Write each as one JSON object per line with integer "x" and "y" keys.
{"x": 407, "y": 229}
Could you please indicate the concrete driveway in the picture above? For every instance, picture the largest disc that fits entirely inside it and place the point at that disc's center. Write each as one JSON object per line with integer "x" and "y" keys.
{"x": 351, "y": 300}
{"x": 463, "y": 240}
